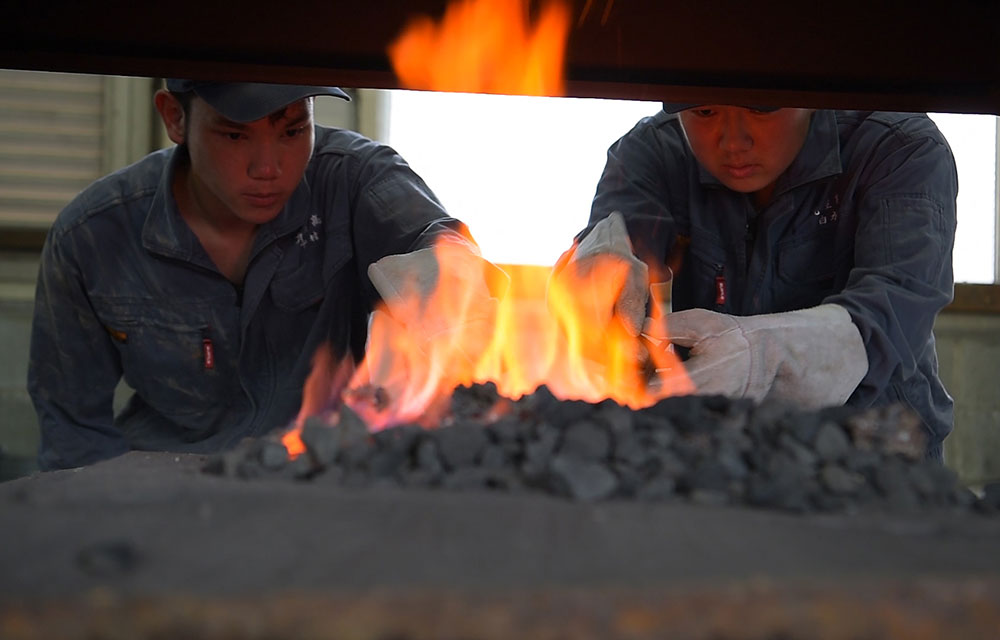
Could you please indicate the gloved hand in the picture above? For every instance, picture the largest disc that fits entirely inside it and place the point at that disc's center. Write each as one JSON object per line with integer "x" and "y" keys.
{"x": 441, "y": 295}
{"x": 812, "y": 357}
{"x": 607, "y": 244}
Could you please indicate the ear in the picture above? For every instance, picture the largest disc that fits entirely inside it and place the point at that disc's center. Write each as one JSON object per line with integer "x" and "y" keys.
{"x": 172, "y": 114}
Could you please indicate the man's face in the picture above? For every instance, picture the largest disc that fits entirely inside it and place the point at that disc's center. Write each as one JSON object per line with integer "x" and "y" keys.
{"x": 247, "y": 171}
{"x": 745, "y": 149}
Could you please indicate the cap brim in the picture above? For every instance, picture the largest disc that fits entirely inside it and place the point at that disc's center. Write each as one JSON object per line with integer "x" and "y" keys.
{"x": 249, "y": 101}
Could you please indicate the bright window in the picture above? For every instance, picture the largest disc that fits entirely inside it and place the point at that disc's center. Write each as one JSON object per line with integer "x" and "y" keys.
{"x": 522, "y": 171}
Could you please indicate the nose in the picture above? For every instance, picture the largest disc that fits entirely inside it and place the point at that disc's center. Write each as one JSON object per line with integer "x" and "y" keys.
{"x": 734, "y": 135}
{"x": 265, "y": 161}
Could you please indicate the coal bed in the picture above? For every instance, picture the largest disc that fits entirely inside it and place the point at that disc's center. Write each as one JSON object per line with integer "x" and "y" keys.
{"x": 708, "y": 450}
{"x": 698, "y": 517}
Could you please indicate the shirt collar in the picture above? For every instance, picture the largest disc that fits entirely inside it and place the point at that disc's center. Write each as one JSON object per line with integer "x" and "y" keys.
{"x": 819, "y": 157}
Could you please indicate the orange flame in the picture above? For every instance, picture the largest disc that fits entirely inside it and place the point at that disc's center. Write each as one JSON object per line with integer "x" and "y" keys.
{"x": 541, "y": 332}
{"x": 561, "y": 332}
{"x": 485, "y": 46}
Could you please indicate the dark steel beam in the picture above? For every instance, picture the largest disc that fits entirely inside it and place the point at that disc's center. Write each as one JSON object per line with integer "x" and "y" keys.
{"x": 929, "y": 55}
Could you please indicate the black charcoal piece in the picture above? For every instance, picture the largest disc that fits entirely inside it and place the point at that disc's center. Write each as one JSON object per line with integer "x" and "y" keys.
{"x": 831, "y": 443}
{"x": 802, "y": 454}
{"x": 629, "y": 479}
{"x": 538, "y": 402}
{"x": 493, "y": 458}
{"x": 662, "y": 436}
{"x": 619, "y": 420}
{"x": 427, "y": 457}
{"x": 460, "y": 444}
{"x": 321, "y": 440}
{"x": 384, "y": 463}
{"x": 802, "y": 426}
{"x": 581, "y": 479}
{"x": 669, "y": 464}
{"x": 732, "y": 461}
{"x": 272, "y": 454}
{"x": 299, "y": 468}
{"x": 892, "y": 481}
{"x": 863, "y": 461}
{"x": 474, "y": 401}
{"x": 630, "y": 451}
{"x": 565, "y": 413}
{"x": 540, "y": 448}
{"x": 932, "y": 480}
{"x": 351, "y": 426}
{"x": 587, "y": 440}
{"x": 401, "y": 438}
{"x": 840, "y": 481}
{"x": 356, "y": 455}
{"x": 658, "y": 488}
{"x": 646, "y": 421}
{"x": 507, "y": 429}
{"x": 708, "y": 475}
{"x": 693, "y": 448}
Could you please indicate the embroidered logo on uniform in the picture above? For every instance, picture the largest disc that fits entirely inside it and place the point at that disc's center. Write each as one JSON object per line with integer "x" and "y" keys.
{"x": 828, "y": 213}
{"x": 307, "y": 235}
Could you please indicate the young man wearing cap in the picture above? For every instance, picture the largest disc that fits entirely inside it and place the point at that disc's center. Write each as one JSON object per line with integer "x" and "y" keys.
{"x": 208, "y": 274}
{"x": 811, "y": 250}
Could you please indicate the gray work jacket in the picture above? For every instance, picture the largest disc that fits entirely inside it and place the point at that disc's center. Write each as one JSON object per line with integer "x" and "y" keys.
{"x": 125, "y": 289}
{"x": 864, "y": 217}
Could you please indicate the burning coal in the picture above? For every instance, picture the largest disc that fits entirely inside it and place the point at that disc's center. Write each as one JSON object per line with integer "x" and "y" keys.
{"x": 707, "y": 450}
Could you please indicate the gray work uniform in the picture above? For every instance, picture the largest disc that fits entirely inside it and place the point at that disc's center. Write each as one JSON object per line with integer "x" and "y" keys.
{"x": 864, "y": 217}
{"x": 126, "y": 289}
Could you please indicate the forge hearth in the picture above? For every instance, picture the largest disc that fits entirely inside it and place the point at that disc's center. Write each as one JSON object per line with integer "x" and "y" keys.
{"x": 706, "y": 450}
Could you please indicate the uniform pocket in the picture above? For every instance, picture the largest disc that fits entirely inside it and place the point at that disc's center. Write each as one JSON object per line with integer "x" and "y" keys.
{"x": 171, "y": 356}
{"x": 810, "y": 268}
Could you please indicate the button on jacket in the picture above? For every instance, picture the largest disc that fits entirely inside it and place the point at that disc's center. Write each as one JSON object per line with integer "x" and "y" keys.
{"x": 864, "y": 217}
{"x": 125, "y": 289}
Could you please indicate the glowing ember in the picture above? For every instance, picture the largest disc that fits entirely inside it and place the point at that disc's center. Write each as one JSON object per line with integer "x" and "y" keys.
{"x": 485, "y": 46}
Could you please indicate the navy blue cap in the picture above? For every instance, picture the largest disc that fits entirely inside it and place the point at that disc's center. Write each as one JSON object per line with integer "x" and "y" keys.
{"x": 249, "y": 101}
{"x": 674, "y": 107}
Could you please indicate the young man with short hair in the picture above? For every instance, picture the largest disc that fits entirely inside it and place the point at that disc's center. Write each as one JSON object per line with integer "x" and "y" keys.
{"x": 208, "y": 274}
{"x": 811, "y": 250}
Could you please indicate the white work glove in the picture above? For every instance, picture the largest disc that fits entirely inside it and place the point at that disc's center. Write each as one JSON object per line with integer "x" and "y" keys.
{"x": 810, "y": 358}
{"x": 440, "y": 295}
{"x": 607, "y": 244}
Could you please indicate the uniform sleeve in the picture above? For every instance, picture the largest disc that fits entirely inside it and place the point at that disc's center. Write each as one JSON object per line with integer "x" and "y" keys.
{"x": 396, "y": 212}
{"x": 73, "y": 367}
{"x": 902, "y": 275}
{"x": 635, "y": 183}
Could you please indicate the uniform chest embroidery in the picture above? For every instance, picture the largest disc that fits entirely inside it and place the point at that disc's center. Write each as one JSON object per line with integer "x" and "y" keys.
{"x": 310, "y": 233}
{"x": 828, "y": 212}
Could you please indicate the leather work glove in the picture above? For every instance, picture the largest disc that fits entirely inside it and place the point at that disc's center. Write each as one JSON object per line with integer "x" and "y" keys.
{"x": 608, "y": 244}
{"x": 810, "y": 358}
{"x": 441, "y": 294}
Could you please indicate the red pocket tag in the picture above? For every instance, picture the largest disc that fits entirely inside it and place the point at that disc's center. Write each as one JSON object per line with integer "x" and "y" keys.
{"x": 208, "y": 353}
{"x": 720, "y": 290}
